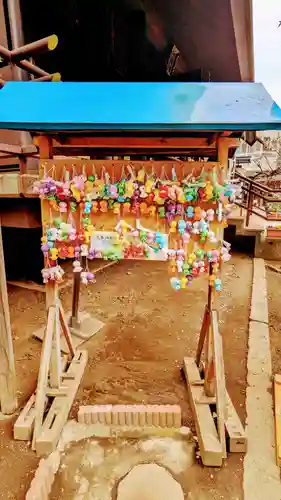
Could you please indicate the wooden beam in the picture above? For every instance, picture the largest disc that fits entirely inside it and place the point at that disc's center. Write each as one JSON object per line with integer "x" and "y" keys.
{"x": 32, "y": 68}
{"x": 29, "y": 149}
{"x": 43, "y": 374}
{"x": 26, "y": 51}
{"x": 66, "y": 332}
{"x": 59, "y": 410}
{"x": 10, "y": 148}
{"x": 8, "y": 399}
{"x": 46, "y": 152}
{"x": 55, "y": 363}
{"x": 5, "y": 53}
{"x": 170, "y": 143}
{"x": 237, "y": 440}
{"x": 203, "y": 333}
{"x": 219, "y": 380}
{"x": 54, "y": 77}
{"x": 209, "y": 445}
{"x": 45, "y": 147}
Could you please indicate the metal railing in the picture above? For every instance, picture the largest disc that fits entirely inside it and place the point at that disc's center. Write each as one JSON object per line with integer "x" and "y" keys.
{"x": 258, "y": 199}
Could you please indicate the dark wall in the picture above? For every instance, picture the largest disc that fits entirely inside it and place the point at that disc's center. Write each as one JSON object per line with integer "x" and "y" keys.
{"x": 99, "y": 41}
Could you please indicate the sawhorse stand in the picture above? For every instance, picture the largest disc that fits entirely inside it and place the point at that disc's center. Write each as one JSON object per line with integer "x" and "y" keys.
{"x": 218, "y": 425}
{"x": 47, "y": 410}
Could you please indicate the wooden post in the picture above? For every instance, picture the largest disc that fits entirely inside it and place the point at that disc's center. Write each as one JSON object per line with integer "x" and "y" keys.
{"x": 205, "y": 323}
{"x": 250, "y": 199}
{"x": 8, "y": 399}
{"x": 33, "y": 48}
{"x": 46, "y": 153}
{"x": 74, "y": 321}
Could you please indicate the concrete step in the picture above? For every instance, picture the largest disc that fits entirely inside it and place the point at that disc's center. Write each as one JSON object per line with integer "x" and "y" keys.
{"x": 250, "y": 231}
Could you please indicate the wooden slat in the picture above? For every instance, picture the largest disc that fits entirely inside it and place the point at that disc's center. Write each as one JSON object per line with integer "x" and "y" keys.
{"x": 209, "y": 382}
{"x": 66, "y": 332}
{"x": 209, "y": 444}
{"x": 173, "y": 143}
{"x": 237, "y": 439}
{"x": 10, "y": 148}
{"x": 219, "y": 380}
{"x": 8, "y": 396}
{"x": 29, "y": 149}
{"x": 46, "y": 153}
{"x": 24, "y": 425}
{"x": 55, "y": 363}
{"x": 43, "y": 373}
{"x": 203, "y": 334}
{"x": 130, "y": 142}
{"x": 59, "y": 410}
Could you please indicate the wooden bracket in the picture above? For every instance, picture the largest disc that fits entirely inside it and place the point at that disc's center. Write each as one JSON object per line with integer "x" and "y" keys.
{"x": 50, "y": 371}
{"x": 216, "y": 420}
{"x": 58, "y": 382}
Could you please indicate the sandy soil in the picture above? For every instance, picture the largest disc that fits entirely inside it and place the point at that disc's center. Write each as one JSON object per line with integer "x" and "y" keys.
{"x": 137, "y": 357}
{"x": 273, "y": 284}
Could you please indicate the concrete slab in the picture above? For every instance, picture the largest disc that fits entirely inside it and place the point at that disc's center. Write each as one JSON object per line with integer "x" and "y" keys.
{"x": 259, "y": 306}
{"x": 149, "y": 482}
{"x": 261, "y": 474}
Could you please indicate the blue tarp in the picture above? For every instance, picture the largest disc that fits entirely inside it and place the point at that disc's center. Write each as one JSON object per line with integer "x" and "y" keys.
{"x": 76, "y": 106}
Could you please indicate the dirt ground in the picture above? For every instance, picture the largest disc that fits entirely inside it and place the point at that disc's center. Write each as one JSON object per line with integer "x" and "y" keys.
{"x": 137, "y": 357}
{"x": 273, "y": 284}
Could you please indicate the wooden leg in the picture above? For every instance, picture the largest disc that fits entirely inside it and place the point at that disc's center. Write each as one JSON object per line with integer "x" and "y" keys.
{"x": 43, "y": 374}
{"x": 209, "y": 384}
{"x": 55, "y": 365}
{"x": 66, "y": 332}
{"x": 203, "y": 334}
{"x": 8, "y": 399}
{"x": 52, "y": 293}
{"x": 74, "y": 321}
{"x": 209, "y": 444}
{"x": 219, "y": 381}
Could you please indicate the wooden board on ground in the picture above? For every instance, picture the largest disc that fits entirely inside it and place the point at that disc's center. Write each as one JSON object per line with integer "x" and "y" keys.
{"x": 209, "y": 444}
{"x": 89, "y": 327}
{"x": 277, "y": 416}
{"x": 237, "y": 440}
{"x": 24, "y": 425}
{"x": 57, "y": 415}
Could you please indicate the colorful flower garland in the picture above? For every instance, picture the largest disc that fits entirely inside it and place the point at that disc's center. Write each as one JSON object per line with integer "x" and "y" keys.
{"x": 177, "y": 204}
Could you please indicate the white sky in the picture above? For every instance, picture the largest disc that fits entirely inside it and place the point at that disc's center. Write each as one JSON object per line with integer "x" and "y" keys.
{"x": 267, "y": 40}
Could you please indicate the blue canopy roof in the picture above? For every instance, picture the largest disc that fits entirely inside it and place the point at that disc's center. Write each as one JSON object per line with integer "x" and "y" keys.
{"x": 69, "y": 106}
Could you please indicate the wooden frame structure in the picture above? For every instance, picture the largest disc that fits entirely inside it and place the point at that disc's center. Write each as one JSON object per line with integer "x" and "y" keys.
{"x": 206, "y": 382}
{"x": 20, "y": 57}
{"x": 161, "y": 121}
{"x": 52, "y": 379}
{"x": 59, "y": 377}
